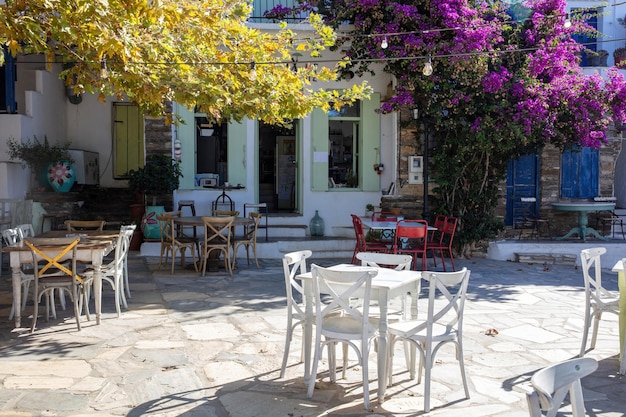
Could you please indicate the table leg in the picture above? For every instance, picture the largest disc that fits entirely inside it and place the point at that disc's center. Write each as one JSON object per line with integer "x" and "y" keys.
{"x": 621, "y": 281}
{"x": 16, "y": 282}
{"x": 582, "y": 230}
{"x": 382, "y": 347}
{"x": 97, "y": 290}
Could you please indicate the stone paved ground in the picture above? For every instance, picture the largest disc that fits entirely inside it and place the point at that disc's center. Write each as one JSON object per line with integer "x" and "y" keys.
{"x": 205, "y": 346}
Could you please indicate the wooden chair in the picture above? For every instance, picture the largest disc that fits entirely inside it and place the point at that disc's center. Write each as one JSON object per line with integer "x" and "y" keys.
{"x": 294, "y": 263}
{"x": 552, "y": 384}
{"x": 362, "y": 245}
{"x": 80, "y": 225}
{"x": 443, "y": 324}
{"x": 113, "y": 272}
{"x": 598, "y": 299}
{"x": 412, "y": 237}
{"x": 444, "y": 244}
{"x": 171, "y": 243}
{"x": 248, "y": 240}
{"x": 352, "y": 327}
{"x": 51, "y": 274}
{"x": 383, "y": 216}
{"x": 217, "y": 238}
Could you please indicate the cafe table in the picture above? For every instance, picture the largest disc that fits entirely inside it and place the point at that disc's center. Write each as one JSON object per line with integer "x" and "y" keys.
{"x": 620, "y": 268}
{"x": 92, "y": 248}
{"x": 197, "y": 221}
{"x": 386, "y": 285}
{"x": 582, "y": 208}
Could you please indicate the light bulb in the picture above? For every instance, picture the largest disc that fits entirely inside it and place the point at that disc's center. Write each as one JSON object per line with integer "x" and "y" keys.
{"x": 103, "y": 70}
{"x": 252, "y": 74}
{"x": 567, "y": 23}
{"x": 384, "y": 43}
{"x": 428, "y": 68}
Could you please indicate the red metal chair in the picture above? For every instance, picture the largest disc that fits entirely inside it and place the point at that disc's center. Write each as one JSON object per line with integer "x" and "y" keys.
{"x": 435, "y": 235}
{"x": 412, "y": 237}
{"x": 445, "y": 242}
{"x": 384, "y": 216}
{"x": 361, "y": 244}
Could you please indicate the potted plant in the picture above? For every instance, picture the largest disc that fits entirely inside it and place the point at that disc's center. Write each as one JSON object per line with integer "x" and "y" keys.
{"x": 159, "y": 176}
{"x": 620, "y": 55}
{"x": 369, "y": 210}
{"x": 597, "y": 58}
{"x": 39, "y": 156}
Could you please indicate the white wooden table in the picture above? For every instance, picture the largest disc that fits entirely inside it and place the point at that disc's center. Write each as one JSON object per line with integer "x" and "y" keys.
{"x": 91, "y": 249}
{"x": 387, "y": 285}
{"x": 621, "y": 282}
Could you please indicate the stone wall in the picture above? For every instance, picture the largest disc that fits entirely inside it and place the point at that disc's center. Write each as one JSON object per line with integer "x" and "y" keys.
{"x": 410, "y": 142}
{"x": 158, "y": 137}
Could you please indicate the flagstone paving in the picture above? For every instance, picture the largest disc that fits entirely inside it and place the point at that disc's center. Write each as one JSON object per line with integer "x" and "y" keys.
{"x": 207, "y": 346}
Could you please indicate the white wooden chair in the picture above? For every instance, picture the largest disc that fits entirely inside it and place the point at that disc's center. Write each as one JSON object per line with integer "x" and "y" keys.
{"x": 598, "y": 300}
{"x": 113, "y": 273}
{"x": 352, "y": 327}
{"x": 551, "y": 385}
{"x": 11, "y": 237}
{"x": 443, "y": 324}
{"x": 294, "y": 263}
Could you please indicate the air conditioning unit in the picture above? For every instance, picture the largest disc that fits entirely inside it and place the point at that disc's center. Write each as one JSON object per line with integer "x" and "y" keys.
{"x": 86, "y": 166}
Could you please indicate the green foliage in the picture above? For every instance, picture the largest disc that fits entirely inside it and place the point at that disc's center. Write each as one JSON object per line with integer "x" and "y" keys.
{"x": 36, "y": 154}
{"x": 161, "y": 175}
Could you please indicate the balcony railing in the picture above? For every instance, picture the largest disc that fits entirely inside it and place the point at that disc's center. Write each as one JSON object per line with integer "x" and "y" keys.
{"x": 260, "y": 7}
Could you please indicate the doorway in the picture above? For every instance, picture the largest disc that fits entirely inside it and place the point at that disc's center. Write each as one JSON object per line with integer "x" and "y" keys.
{"x": 522, "y": 181}
{"x": 278, "y": 179}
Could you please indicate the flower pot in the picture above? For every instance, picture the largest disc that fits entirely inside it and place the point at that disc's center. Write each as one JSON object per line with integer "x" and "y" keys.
{"x": 136, "y": 240}
{"x": 61, "y": 176}
{"x": 149, "y": 223}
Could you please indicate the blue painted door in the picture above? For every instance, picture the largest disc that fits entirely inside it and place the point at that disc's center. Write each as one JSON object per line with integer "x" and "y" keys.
{"x": 579, "y": 173}
{"x": 522, "y": 180}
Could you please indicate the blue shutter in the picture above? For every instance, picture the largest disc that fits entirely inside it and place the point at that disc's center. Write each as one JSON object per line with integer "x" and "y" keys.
{"x": 580, "y": 173}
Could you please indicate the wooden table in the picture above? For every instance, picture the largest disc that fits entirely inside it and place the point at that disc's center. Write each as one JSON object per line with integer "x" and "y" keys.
{"x": 92, "y": 248}
{"x": 621, "y": 282}
{"x": 583, "y": 208}
{"x": 197, "y": 221}
{"x": 387, "y": 285}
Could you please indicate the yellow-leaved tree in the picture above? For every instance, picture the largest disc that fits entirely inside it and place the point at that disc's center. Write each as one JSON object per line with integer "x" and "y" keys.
{"x": 198, "y": 53}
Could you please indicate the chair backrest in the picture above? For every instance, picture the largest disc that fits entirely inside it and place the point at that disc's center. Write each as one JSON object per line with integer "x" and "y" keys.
{"x": 448, "y": 230}
{"x": 435, "y": 235}
{"x": 592, "y": 272}
{"x": 166, "y": 224}
{"x": 233, "y": 213}
{"x": 411, "y": 233}
{"x": 294, "y": 263}
{"x": 358, "y": 231}
{"x": 12, "y": 236}
{"x": 385, "y": 260}
{"x": 26, "y": 229}
{"x": 251, "y": 230}
{"x": 78, "y": 225}
{"x": 339, "y": 288}
{"x": 452, "y": 287}
{"x": 217, "y": 230}
{"x": 383, "y": 216}
{"x": 53, "y": 251}
{"x": 551, "y": 385}
{"x": 122, "y": 246}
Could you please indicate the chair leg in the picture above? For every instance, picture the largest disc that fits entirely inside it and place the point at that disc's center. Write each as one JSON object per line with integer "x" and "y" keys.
{"x": 586, "y": 325}
{"x": 288, "y": 337}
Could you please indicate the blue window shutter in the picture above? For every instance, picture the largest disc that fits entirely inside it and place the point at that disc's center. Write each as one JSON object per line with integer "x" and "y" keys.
{"x": 580, "y": 173}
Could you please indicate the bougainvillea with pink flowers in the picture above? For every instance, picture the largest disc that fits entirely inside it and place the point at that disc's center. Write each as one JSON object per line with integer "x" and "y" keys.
{"x": 503, "y": 85}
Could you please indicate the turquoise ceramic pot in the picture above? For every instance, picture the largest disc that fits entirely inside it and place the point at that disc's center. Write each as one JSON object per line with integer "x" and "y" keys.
{"x": 149, "y": 223}
{"x": 61, "y": 176}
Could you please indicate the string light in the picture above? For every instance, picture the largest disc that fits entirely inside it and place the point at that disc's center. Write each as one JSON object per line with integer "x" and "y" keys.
{"x": 384, "y": 43}
{"x": 252, "y": 74}
{"x": 104, "y": 73}
{"x": 568, "y": 23}
{"x": 428, "y": 68}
